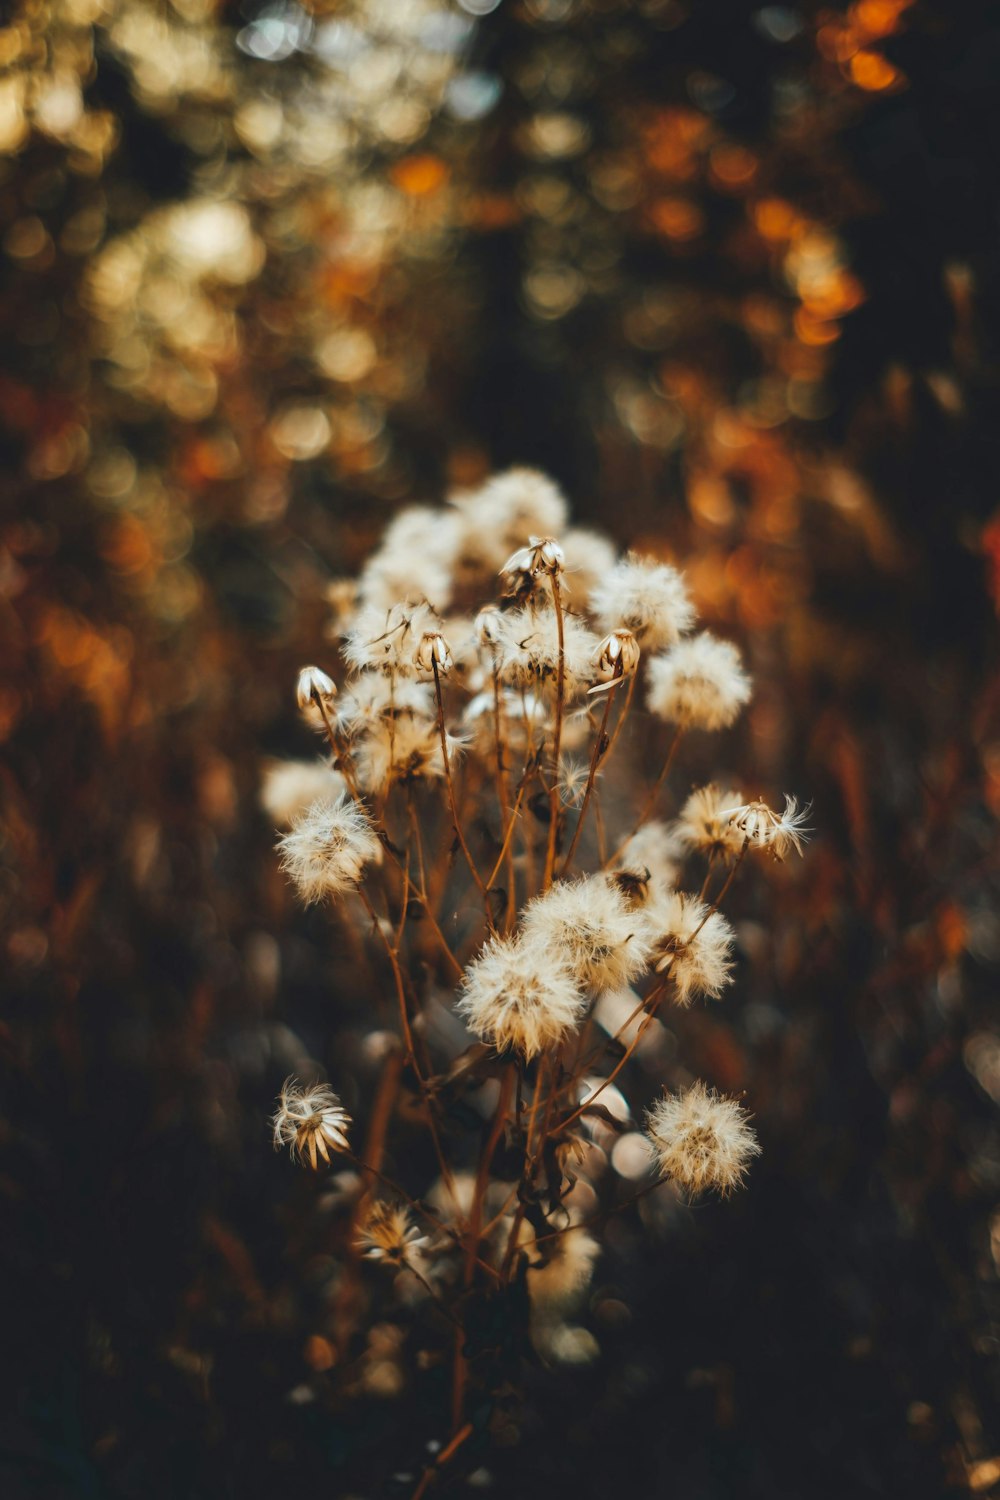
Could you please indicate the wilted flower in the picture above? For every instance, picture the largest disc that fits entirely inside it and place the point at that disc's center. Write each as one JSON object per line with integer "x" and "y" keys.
{"x": 390, "y": 1235}
{"x": 616, "y": 658}
{"x": 762, "y": 828}
{"x": 327, "y": 848}
{"x": 518, "y": 995}
{"x": 386, "y": 639}
{"x": 701, "y": 1139}
{"x": 432, "y": 652}
{"x": 311, "y": 1120}
{"x": 699, "y": 684}
{"x": 543, "y": 554}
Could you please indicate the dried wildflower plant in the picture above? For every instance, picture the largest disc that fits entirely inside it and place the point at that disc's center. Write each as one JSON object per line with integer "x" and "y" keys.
{"x": 467, "y": 826}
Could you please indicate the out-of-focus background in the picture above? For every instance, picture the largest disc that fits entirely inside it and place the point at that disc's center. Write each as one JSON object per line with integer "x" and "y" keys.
{"x": 729, "y": 273}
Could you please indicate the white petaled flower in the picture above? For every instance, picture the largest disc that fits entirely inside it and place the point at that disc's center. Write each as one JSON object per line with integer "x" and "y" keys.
{"x": 592, "y": 926}
{"x": 401, "y": 749}
{"x": 327, "y": 848}
{"x": 616, "y": 658}
{"x": 527, "y": 652}
{"x": 390, "y": 1235}
{"x": 517, "y": 995}
{"x": 311, "y": 1120}
{"x": 701, "y": 1139}
{"x": 706, "y": 822}
{"x": 692, "y": 943}
{"x": 289, "y": 787}
{"x": 646, "y": 597}
{"x": 385, "y": 639}
{"x": 315, "y": 693}
{"x": 543, "y": 554}
{"x": 762, "y": 828}
{"x": 699, "y": 684}
{"x": 433, "y": 652}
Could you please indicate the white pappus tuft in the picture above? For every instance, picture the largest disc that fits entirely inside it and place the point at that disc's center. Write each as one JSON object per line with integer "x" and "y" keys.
{"x": 311, "y": 1120}
{"x": 593, "y": 928}
{"x": 760, "y": 827}
{"x": 289, "y": 787}
{"x": 646, "y": 597}
{"x": 327, "y": 848}
{"x": 705, "y": 822}
{"x": 517, "y": 995}
{"x": 693, "y": 943}
{"x": 701, "y": 1139}
{"x": 699, "y": 684}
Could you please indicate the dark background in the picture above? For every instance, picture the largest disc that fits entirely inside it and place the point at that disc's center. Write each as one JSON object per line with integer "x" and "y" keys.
{"x": 821, "y": 453}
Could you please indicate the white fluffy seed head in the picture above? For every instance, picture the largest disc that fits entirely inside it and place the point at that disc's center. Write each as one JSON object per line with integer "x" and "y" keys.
{"x": 646, "y": 597}
{"x": 495, "y": 519}
{"x": 593, "y": 927}
{"x": 762, "y": 828}
{"x": 311, "y": 1120}
{"x": 289, "y": 787}
{"x": 589, "y": 558}
{"x": 518, "y": 996}
{"x": 327, "y": 848}
{"x": 386, "y": 640}
{"x": 701, "y": 1139}
{"x": 526, "y": 652}
{"x": 705, "y": 822}
{"x": 399, "y": 750}
{"x": 415, "y": 559}
{"x": 698, "y": 684}
{"x": 371, "y": 696}
{"x": 692, "y": 944}
{"x": 655, "y": 850}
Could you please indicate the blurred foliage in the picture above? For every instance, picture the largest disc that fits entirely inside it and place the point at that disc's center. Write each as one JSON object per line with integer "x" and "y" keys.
{"x": 728, "y": 272}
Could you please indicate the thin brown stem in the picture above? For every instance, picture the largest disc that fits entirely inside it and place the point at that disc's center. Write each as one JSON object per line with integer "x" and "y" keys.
{"x": 550, "y": 850}
{"x": 450, "y": 788}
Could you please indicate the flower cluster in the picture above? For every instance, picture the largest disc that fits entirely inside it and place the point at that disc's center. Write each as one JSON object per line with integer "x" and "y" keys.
{"x": 465, "y": 820}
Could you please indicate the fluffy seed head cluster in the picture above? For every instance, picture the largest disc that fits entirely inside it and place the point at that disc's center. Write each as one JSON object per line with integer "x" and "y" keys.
{"x": 706, "y": 822}
{"x": 593, "y": 928}
{"x": 693, "y": 944}
{"x": 655, "y": 851}
{"x": 556, "y": 1284}
{"x": 389, "y": 1234}
{"x": 701, "y": 1139}
{"x": 518, "y": 996}
{"x": 311, "y": 1120}
{"x": 698, "y": 684}
{"x": 327, "y": 848}
{"x": 762, "y": 828}
{"x": 645, "y": 597}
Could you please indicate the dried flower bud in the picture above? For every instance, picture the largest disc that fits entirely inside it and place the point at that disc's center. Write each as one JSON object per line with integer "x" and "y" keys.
{"x": 616, "y": 658}
{"x": 433, "y": 652}
{"x": 543, "y": 554}
{"x": 315, "y": 692}
{"x": 763, "y": 828}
